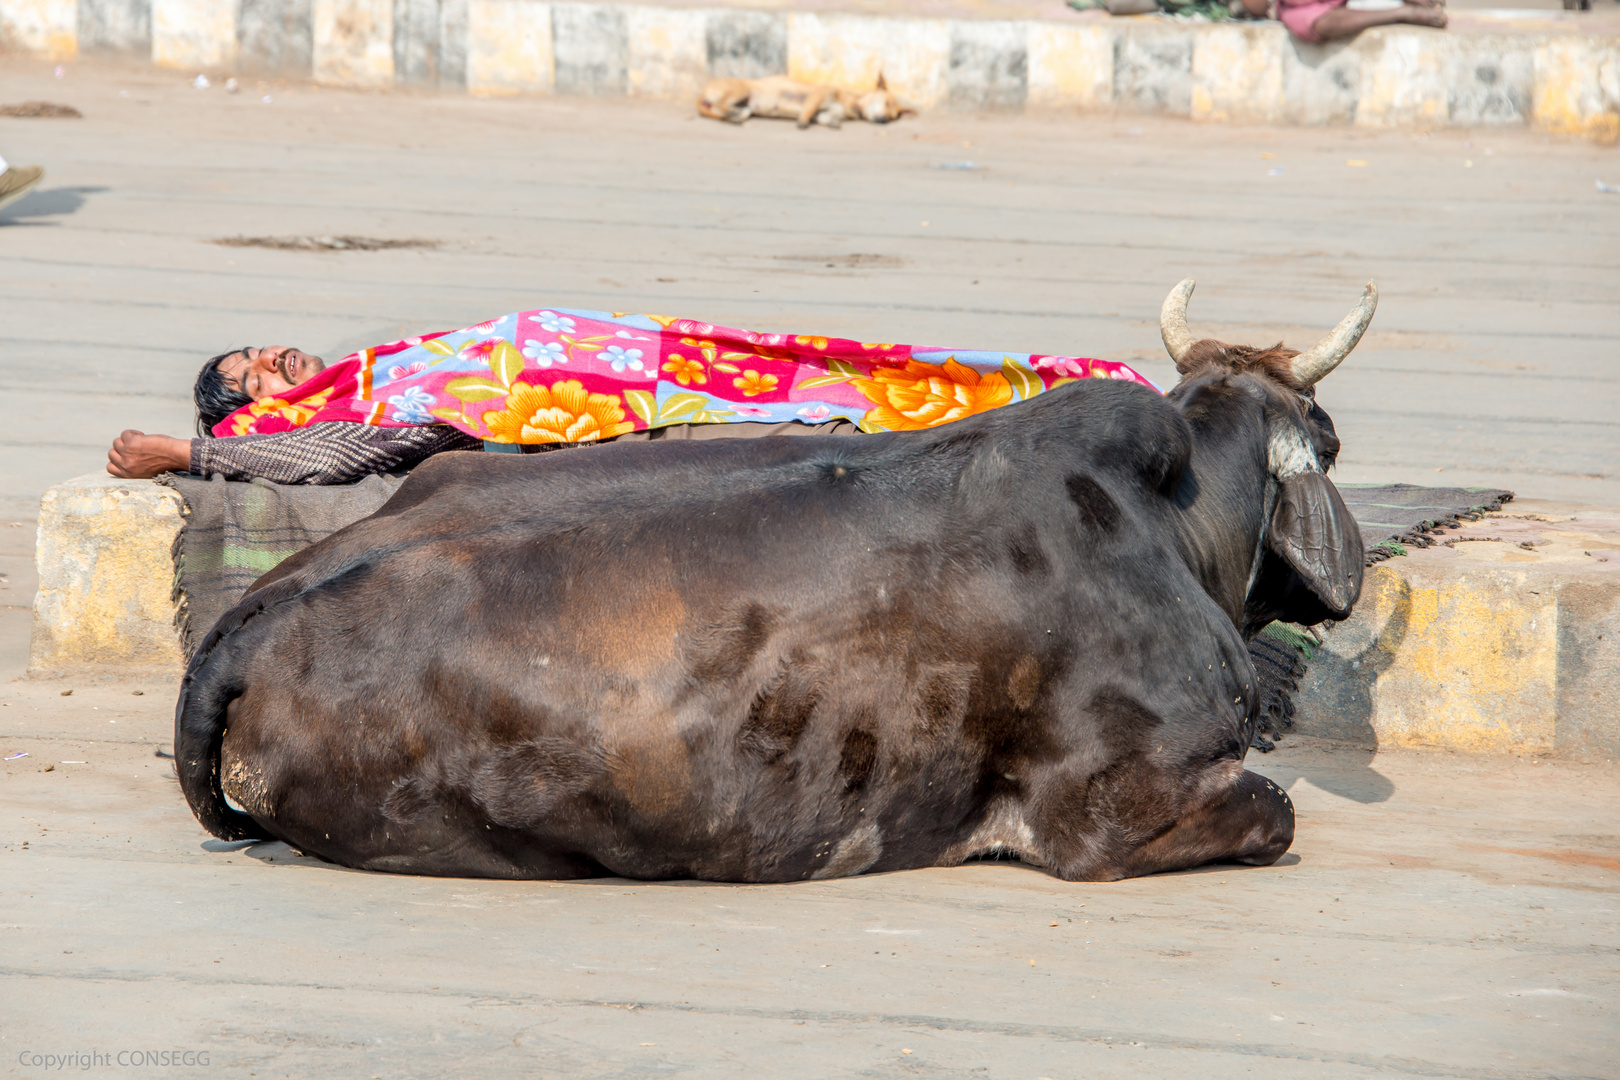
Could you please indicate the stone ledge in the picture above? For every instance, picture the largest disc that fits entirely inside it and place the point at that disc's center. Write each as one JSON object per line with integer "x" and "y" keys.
{"x": 1558, "y": 74}
{"x": 105, "y": 579}
{"x": 1504, "y": 637}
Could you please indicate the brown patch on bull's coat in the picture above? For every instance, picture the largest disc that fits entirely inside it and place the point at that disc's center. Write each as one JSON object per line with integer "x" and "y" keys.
{"x": 943, "y": 698}
{"x": 1087, "y": 823}
{"x": 1024, "y": 683}
{"x": 634, "y": 640}
{"x": 779, "y": 714}
{"x": 856, "y": 760}
{"x": 721, "y": 653}
{"x": 652, "y": 768}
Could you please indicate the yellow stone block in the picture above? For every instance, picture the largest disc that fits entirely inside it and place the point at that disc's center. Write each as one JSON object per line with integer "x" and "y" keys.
{"x": 105, "y": 578}
{"x": 851, "y": 50}
{"x": 48, "y": 27}
{"x": 353, "y": 42}
{"x": 668, "y": 52}
{"x": 1467, "y": 661}
{"x": 1577, "y": 88}
{"x": 509, "y": 47}
{"x": 1404, "y": 78}
{"x": 1070, "y": 67}
{"x": 1502, "y": 637}
{"x": 192, "y": 34}
{"x": 1237, "y": 72}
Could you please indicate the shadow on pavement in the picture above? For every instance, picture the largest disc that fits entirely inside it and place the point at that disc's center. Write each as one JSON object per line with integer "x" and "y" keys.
{"x": 52, "y": 202}
{"x": 1359, "y": 783}
{"x": 1336, "y": 700}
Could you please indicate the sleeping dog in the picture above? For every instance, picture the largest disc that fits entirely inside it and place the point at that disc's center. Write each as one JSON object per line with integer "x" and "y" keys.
{"x": 807, "y": 103}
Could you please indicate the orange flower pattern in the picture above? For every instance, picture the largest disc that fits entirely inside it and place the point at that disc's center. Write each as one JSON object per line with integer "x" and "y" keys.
{"x": 753, "y": 384}
{"x": 923, "y": 395}
{"x": 296, "y": 415}
{"x": 686, "y": 371}
{"x": 560, "y": 413}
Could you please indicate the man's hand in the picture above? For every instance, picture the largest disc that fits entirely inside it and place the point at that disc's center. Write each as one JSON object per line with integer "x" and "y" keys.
{"x": 136, "y": 455}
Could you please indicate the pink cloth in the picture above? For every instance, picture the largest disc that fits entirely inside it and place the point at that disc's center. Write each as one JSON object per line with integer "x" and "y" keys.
{"x": 562, "y": 376}
{"x": 1301, "y": 17}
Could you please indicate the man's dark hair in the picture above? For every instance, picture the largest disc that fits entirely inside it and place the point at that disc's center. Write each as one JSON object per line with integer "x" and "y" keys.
{"x": 216, "y": 399}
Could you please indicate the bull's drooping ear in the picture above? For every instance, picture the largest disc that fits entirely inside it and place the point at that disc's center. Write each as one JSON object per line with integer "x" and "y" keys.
{"x": 1312, "y": 530}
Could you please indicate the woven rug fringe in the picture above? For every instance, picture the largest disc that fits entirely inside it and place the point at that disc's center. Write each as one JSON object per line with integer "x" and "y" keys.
{"x": 1424, "y": 533}
{"x": 177, "y": 555}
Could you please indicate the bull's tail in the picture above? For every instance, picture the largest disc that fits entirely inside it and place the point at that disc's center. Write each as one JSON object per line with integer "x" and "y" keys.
{"x": 214, "y": 679}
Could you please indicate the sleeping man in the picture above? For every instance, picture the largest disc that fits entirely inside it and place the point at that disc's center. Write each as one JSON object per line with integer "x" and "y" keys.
{"x": 540, "y": 380}
{"x": 334, "y": 452}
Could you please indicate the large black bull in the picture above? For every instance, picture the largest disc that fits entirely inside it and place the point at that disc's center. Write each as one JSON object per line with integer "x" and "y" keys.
{"x": 767, "y": 660}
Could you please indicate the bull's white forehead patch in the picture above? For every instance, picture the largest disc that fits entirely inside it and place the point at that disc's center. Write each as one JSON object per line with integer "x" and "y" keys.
{"x": 1289, "y": 452}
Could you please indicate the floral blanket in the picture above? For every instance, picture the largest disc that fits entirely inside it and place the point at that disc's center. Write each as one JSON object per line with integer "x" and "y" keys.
{"x": 559, "y": 376}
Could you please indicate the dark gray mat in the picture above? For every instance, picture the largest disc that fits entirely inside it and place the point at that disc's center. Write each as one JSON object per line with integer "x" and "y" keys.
{"x": 1394, "y": 516}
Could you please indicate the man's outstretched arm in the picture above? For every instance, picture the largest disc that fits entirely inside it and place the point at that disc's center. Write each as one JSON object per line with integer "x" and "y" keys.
{"x": 330, "y": 453}
{"x": 136, "y": 455}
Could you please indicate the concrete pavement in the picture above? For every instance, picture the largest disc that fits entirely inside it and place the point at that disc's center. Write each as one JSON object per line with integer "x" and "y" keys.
{"x": 1491, "y": 360}
{"x": 1439, "y": 916}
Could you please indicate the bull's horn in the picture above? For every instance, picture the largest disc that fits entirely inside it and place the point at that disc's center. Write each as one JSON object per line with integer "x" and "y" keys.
{"x": 1312, "y": 366}
{"x": 1173, "y": 320}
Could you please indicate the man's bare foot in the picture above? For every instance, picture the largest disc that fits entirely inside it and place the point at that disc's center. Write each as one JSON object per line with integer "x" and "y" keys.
{"x": 1421, "y": 14}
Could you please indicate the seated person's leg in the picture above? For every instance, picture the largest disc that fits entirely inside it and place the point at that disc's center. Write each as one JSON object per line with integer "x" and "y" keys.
{"x": 1341, "y": 22}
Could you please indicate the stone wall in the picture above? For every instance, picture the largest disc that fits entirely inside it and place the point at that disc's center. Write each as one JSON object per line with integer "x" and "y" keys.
{"x": 1392, "y": 76}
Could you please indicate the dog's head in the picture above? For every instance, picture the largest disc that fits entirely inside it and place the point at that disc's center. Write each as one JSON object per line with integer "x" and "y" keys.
{"x": 880, "y": 107}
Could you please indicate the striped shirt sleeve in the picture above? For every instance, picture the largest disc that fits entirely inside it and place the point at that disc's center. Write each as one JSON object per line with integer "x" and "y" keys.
{"x": 329, "y": 453}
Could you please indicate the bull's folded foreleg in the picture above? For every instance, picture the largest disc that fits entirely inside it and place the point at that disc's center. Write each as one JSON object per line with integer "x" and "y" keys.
{"x": 1252, "y": 823}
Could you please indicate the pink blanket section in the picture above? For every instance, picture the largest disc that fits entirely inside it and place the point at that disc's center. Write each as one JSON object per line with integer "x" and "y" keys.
{"x": 1301, "y": 17}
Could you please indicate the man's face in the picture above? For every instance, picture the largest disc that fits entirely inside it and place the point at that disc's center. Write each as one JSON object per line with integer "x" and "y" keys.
{"x": 270, "y": 371}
